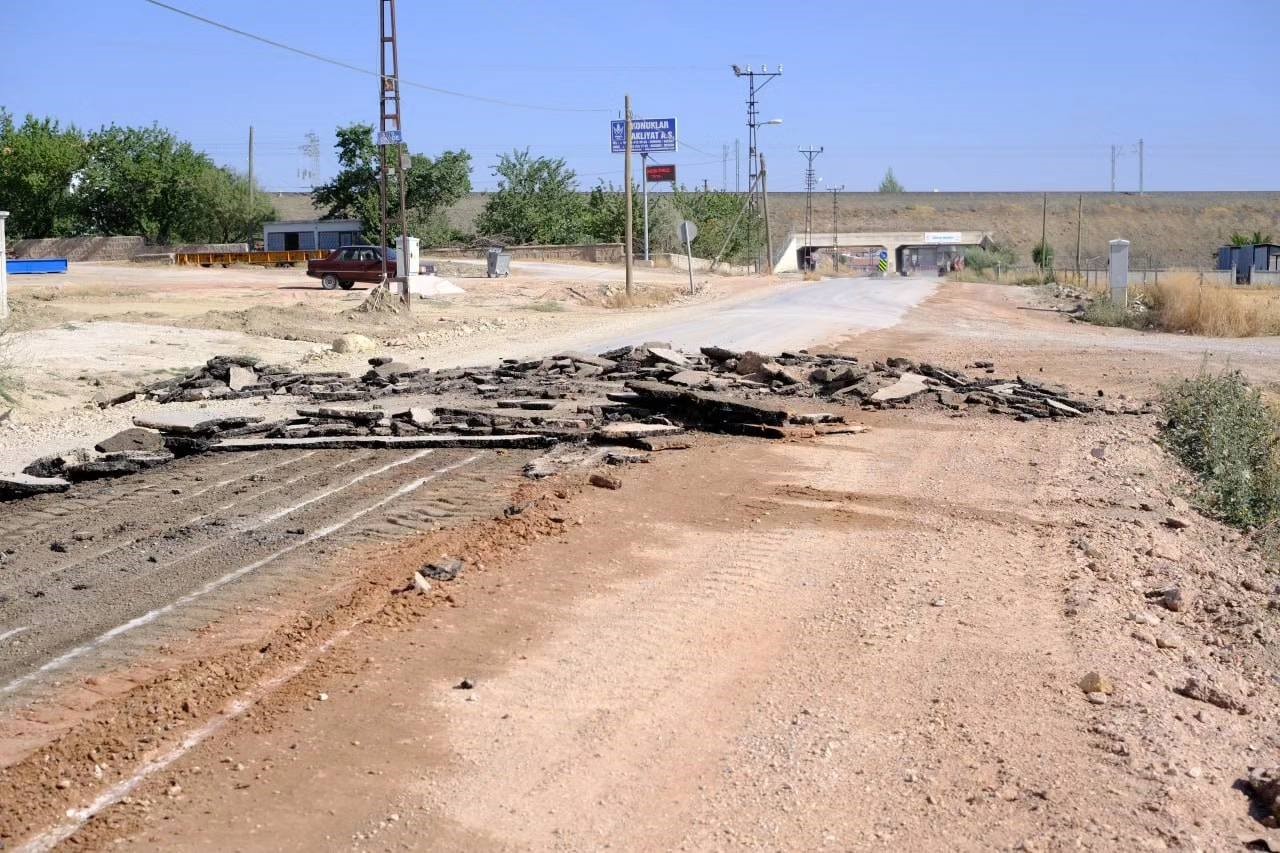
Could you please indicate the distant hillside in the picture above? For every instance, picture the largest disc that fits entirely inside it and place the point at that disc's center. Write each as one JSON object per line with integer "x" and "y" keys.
{"x": 291, "y": 206}
{"x": 1172, "y": 229}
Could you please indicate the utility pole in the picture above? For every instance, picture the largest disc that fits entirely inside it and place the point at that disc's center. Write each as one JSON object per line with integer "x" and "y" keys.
{"x": 1141, "y": 168}
{"x": 1113, "y": 168}
{"x": 835, "y": 224}
{"x": 810, "y": 183}
{"x": 1079, "y": 230}
{"x": 626, "y": 177}
{"x": 724, "y": 168}
{"x": 768, "y": 236}
{"x": 250, "y": 168}
{"x": 753, "y": 123}
{"x": 1044, "y": 248}
{"x": 389, "y": 136}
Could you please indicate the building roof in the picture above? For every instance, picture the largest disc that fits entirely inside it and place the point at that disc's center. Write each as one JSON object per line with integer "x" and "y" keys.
{"x": 313, "y": 222}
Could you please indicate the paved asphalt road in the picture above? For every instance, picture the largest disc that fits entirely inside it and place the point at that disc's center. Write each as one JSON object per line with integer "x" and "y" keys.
{"x": 792, "y": 317}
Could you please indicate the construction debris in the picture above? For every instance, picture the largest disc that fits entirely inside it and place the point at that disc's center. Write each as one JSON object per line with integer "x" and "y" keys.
{"x": 25, "y": 485}
{"x": 644, "y": 397}
{"x": 539, "y": 383}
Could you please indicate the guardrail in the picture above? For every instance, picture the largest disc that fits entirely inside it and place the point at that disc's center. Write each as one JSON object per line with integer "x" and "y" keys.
{"x": 262, "y": 259}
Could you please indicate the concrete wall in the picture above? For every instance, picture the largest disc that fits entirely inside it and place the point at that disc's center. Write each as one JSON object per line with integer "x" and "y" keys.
{"x": 80, "y": 248}
{"x": 598, "y": 253}
{"x": 110, "y": 248}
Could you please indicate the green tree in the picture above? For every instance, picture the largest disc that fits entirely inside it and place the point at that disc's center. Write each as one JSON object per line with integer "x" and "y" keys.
{"x": 38, "y": 163}
{"x": 605, "y": 219}
{"x": 890, "y": 184}
{"x": 433, "y": 185}
{"x": 715, "y": 213}
{"x": 1257, "y": 237}
{"x": 230, "y": 217}
{"x": 537, "y": 201}
{"x": 143, "y": 180}
{"x": 353, "y": 192}
{"x": 1042, "y": 255}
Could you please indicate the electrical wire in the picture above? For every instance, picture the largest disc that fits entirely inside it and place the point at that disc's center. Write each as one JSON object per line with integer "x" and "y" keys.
{"x": 348, "y": 66}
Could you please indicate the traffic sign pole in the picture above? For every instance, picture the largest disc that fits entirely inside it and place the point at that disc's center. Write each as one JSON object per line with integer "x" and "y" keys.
{"x": 628, "y": 250}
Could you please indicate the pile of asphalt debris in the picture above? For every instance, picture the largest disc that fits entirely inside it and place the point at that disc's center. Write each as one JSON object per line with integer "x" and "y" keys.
{"x": 644, "y": 397}
{"x": 840, "y": 379}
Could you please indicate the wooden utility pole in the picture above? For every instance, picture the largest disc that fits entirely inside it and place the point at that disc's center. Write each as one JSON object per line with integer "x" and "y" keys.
{"x": 626, "y": 178}
{"x": 1079, "y": 230}
{"x": 1044, "y": 248}
{"x": 251, "y": 170}
{"x": 764, "y": 208}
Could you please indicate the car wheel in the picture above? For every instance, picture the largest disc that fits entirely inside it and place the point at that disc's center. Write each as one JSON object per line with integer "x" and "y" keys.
{"x": 346, "y": 285}
{"x": 329, "y": 282}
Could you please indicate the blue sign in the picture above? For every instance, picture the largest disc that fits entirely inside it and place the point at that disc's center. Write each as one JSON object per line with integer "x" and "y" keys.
{"x": 648, "y": 135}
{"x": 389, "y": 137}
{"x": 884, "y": 255}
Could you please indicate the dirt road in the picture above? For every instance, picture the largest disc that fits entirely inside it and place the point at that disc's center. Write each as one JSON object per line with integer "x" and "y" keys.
{"x": 864, "y": 642}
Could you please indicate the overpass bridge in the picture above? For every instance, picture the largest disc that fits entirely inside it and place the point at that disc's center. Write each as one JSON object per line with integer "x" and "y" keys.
{"x": 923, "y": 248}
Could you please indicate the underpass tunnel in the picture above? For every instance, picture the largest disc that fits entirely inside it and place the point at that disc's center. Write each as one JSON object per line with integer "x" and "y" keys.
{"x": 853, "y": 260}
{"x": 930, "y": 259}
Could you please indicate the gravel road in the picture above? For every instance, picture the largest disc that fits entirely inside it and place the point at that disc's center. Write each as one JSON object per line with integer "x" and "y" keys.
{"x": 791, "y": 316}
{"x": 862, "y": 642}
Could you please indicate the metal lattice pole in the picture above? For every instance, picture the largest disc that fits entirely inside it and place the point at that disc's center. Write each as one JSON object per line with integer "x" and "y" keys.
{"x": 390, "y": 136}
{"x": 835, "y": 225}
{"x": 753, "y": 123}
{"x": 810, "y": 184}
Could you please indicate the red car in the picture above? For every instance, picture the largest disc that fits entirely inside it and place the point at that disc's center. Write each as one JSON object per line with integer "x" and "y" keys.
{"x": 344, "y": 267}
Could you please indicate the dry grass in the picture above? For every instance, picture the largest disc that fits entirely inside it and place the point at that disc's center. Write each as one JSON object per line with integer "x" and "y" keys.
{"x": 1179, "y": 303}
{"x": 642, "y": 296}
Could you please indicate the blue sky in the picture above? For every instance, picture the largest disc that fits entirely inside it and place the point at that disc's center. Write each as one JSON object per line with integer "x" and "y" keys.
{"x": 953, "y": 96}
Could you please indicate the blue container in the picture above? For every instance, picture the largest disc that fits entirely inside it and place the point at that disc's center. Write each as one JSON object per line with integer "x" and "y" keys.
{"x": 36, "y": 266}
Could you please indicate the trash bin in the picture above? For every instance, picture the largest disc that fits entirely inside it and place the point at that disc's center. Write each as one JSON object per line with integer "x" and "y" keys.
{"x": 499, "y": 262}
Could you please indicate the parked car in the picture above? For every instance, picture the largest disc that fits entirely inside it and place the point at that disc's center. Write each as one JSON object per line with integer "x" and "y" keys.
{"x": 344, "y": 267}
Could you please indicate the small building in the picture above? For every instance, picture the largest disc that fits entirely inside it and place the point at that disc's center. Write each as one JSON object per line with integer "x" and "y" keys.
{"x": 1245, "y": 259}
{"x": 309, "y": 234}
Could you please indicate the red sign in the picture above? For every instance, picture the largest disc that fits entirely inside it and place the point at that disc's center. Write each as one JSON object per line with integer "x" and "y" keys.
{"x": 660, "y": 174}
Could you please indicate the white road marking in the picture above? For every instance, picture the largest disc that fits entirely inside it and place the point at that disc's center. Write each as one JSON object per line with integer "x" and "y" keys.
{"x": 13, "y": 632}
{"x": 77, "y": 818}
{"x": 150, "y": 616}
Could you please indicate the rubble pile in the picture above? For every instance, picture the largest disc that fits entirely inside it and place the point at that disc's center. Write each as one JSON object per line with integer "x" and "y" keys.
{"x": 838, "y": 379}
{"x": 639, "y": 396}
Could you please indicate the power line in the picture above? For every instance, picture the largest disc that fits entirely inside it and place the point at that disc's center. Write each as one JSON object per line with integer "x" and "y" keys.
{"x": 348, "y": 66}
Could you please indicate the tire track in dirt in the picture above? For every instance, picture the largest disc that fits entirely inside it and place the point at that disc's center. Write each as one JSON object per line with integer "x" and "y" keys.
{"x": 178, "y": 584}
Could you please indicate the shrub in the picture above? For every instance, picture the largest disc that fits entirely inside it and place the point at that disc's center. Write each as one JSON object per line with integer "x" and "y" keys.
{"x": 981, "y": 260}
{"x": 1105, "y": 311}
{"x": 1042, "y": 255}
{"x": 1220, "y": 428}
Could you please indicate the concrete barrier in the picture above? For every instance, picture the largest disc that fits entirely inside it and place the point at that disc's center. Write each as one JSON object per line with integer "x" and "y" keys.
{"x": 596, "y": 253}
{"x": 109, "y": 248}
{"x": 80, "y": 248}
